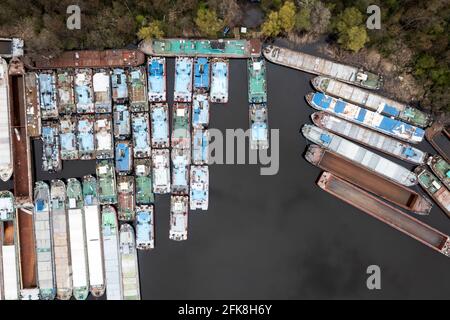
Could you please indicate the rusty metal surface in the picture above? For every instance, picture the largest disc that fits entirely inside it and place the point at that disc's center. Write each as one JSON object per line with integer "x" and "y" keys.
{"x": 27, "y": 249}
{"x": 439, "y": 137}
{"x": 92, "y": 59}
{"x": 383, "y": 212}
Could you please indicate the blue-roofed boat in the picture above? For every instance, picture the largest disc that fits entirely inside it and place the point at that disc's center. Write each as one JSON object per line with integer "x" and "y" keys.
{"x": 199, "y": 194}
{"x": 47, "y": 95}
{"x": 161, "y": 170}
{"x": 183, "y": 79}
{"x": 86, "y": 145}
{"x": 201, "y": 75}
{"x": 137, "y": 81}
{"x": 200, "y": 111}
{"x": 122, "y": 122}
{"x": 104, "y": 142}
{"x": 51, "y": 156}
{"x": 119, "y": 86}
{"x": 156, "y": 70}
{"x": 200, "y": 146}
{"x": 181, "y": 128}
{"x": 102, "y": 91}
{"x": 159, "y": 113}
{"x": 259, "y": 126}
{"x": 69, "y": 148}
{"x": 84, "y": 92}
{"x": 219, "y": 80}
{"x": 367, "y": 118}
{"x": 179, "y": 212}
{"x": 124, "y": 157}
{"x": 180, "y": 171}
{"x": 145, "y": 227}
{"x": 141, "y": 135}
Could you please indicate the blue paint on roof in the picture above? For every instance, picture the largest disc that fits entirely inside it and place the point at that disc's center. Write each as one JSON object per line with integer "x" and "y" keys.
{"x": 200, "y": 150}
{"x": 40, "y": 205}
{"x": 156, "y": 76}
{"x": 409, "y": 152}
{"x": 200, "y": 114}
{"x": 198, "y": 195}
{"x": 68, "y": 141}
{"x": 325, "y": 138}
{"x": 85, "y": 138}
{"x": 183, "y": 76}
{"x": 160, "y": 124}
{"x": 340, "y": 105}
{"x": 140, "y": 134}
{"x": 46, "y": 90}
{"x": 119, "y": 83}
{"x": 122, "y": 120}
{"x": 143, "y": 230}
{"x": 201, "y": 74}
{"x": 361, "y": 115}
{"x": 259, "y": 131}
{"x": 390, "y": 110}
{"x": 123, "y": 157}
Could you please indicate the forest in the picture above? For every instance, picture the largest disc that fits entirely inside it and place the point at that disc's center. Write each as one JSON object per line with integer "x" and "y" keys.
{"x": 414, "y": 35}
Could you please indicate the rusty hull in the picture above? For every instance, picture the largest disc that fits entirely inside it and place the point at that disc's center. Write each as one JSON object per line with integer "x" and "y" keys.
{"x": 439, "y": 137}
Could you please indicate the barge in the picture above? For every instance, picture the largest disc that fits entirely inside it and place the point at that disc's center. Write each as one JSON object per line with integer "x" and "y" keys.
{"x": 323, "y": 67}
{"x": 145, "y": 227}
{"x": 224, "y": 48}
{"x": 141, "y": 135}
{"x": 77, "y": 234}
{"x": 44, "y": 242}
{"x": 156, "y": 70}
{"x": 439, "y": 137}
{"x": 179, "y": 212}
{"x": 66, "y": 94}
{"x": 181, "y": 160}
{"x": 368, "y": 180}
{"x": 219, "y": 80}
{"x": 6, "y": 160}
{"x": 144, "y": 184}
{"x": 357, "y": 154}
{"x": 119, "y": 86}
{"x": 122, "y": 121}
{"x": 181, "y": 126}
{"x": 129, "y": 263}
{"x": 435, "y": 188}
{"x": 201, "y": 75}
{"x": 85, "y": 137}
{"x": 257, "y": 86}
{"x": 126, "y": 198}
{"x": 200, "y": 111}
{"x": 200, "y": 146}
{"x": 259, "y": 126}
{"x": 101, "y": 85}
{"x": 104, "y": 141}
{"x": 84, "y": 92}
{"x": 47, "y": 96}
{"x": 385, "y": 213}
{"x": 106, "y": 179}
{"x": 33, "y": 105}
{"x": 10, "y": 259}
{"x": 199, "y": 188}
{"x": 111, "y": 253}
{"x": 440, "y": 168}
{"x": 93, "y": 236}
{"x": 138, "y": 89}
{"x": 60, "y": 228}
{"x": 183, "y": 79}
{"x": 370, "y": 119}
{"x": 161, "y": 171}
{"x": 370, "y": 138}
{"x": 159, "y": 114}
{"x": 67, "y": 136}
{"x": 51, "y": 155}
{"x": 372, "y": 101}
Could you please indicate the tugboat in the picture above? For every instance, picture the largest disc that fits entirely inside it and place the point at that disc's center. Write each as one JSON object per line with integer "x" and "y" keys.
{"x": 144, "y": 184}
{"x": 145, "y": 227}
{"x": 129, "y": 263}
{"x": 86, "y": 145}
{"x": 159, "y": 113}
{"x": 69, "y": 148}
{"x": 107, "y": 192}
{"x": 126, "y": 201}
{"x": 141, "y": 135}
{"x": 259, "y": 127}
{"x": 102, "y": 91}
{"x": 84, "y": 93}
{"x": 179, "y": 207}
{"x": 156, "y": 67}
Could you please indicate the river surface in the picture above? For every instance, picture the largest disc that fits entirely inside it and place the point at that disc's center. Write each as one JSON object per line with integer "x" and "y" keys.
{"x": 280, "y": 236}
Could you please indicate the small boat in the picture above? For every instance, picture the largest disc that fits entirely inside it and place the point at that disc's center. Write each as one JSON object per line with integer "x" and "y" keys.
{"x": 141, "y": 135}
{"x": 124, "y": 157}
{"x": 181, "y": 129}
{"x": 259, "y": 126}
{"x": 199, "y": 195}
{"x": 47, "y": 95}
{"x": 183, "y": 79}
{"x": 440, "y": 168}
{"x": 104, "y": 141}
{"x": 179, "y": 211}
{"x": 60, "y": 228}
{"x": 159, "y": 113}
{"x": 372, "y": 101}
{"x": 77, "y": 233}
{"x": 435, "y": 188}
{"x": 101, "y": 83}
{"x": 352, "y": 151}
{"x": 119, "y": 86}
{"x": 106, "y": 178}
{"x": 257, "y": 86}
{"x": 111, "y": 253}
{"x": 126, "y": 198}
{"x": 156, "y": 68}
{"x": 93, "y": 236}
{"x": 66, "y": 94}
{"x": 85, "y": 137}
{"x": 145, "y": 227}
{"x": 161, "y": 171}
{"x": 68, "y": 138}
{"x": 129, "y": 262}
{"x": 370, "y": 119}
{"x": 51, "y": 156}
{"x": 200, "y": 146}
{"x": 200, "y": 111}
{"x": 201, "y": 75}
{"x": 122, "y": 122}
{"x": 33, "y": 104}
{"x": 44, "y": 242}
{"x": 370, "y": 138}
{"x": 181, "y": 160}
{"x": 144, "y": 184}
{"x": 138, "y": 89}
{"x": 219, "y": 80}
{"x": 84, "y": 92}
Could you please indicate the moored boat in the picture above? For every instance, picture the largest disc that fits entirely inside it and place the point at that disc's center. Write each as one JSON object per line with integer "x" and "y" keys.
{"x": 122, "y": 121}
{"x": 47, "y": 95}
{"x": 119, "y": 86}
{"x": 181, "y": 129}
{"x": 200, "y": 111}
{"x": 201, "y": 74}
{"x": 159, "y": 114}
{"x": 259, "y": 126}
{"x": 199, "y": 188}
{"x": 51, "y": 154}
{"x": 144, "y": 184}
{"x": 68, "y": 138}
{"x": 435, "y": 188}
{"x": 10, "y": 259}
{"x": 84, "y": 93}
{"x": 183, "y": 79}
{"x": 200, "y": 146}
{"x": 124, "y": 157}
{"x": 257, "y": 86}
{"x": 33, "y": 106}
{"x": 145, "y": 227}
{"x": 439, "y": 136}
{"x": 141, "y": 135}
{"x": 101, "y": 85}
{"x": 156, "y": 69}
{"x": 104, "y": 141}
{"x": 6, "y": 160}
{"x": 440, "y": 168}
{"x": 179, "y": 212}
{"x": 138, "y": 89}
{"x": 219, "y": 80}
{"x": 107, "y": 192}
{"x": 66, "y": 94}
{"x": 126, "y": 198}
{"x": 161, "y": 171}
{"x": 85, "y": 137}
{"x": 129, "y": 263}
{"x": 180, "y": 171}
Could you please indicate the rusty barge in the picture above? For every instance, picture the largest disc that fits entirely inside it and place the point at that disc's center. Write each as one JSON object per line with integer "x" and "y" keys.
{"x": 33, "y": 105}
{"x": 384, "y": 212}
{"x": 435, "y": 188}
{"x": 439, "y": 137}
{"x": 368, "y": 180}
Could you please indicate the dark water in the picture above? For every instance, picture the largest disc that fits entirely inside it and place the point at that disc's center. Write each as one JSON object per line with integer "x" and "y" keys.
{"x": 279, "y": 237}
